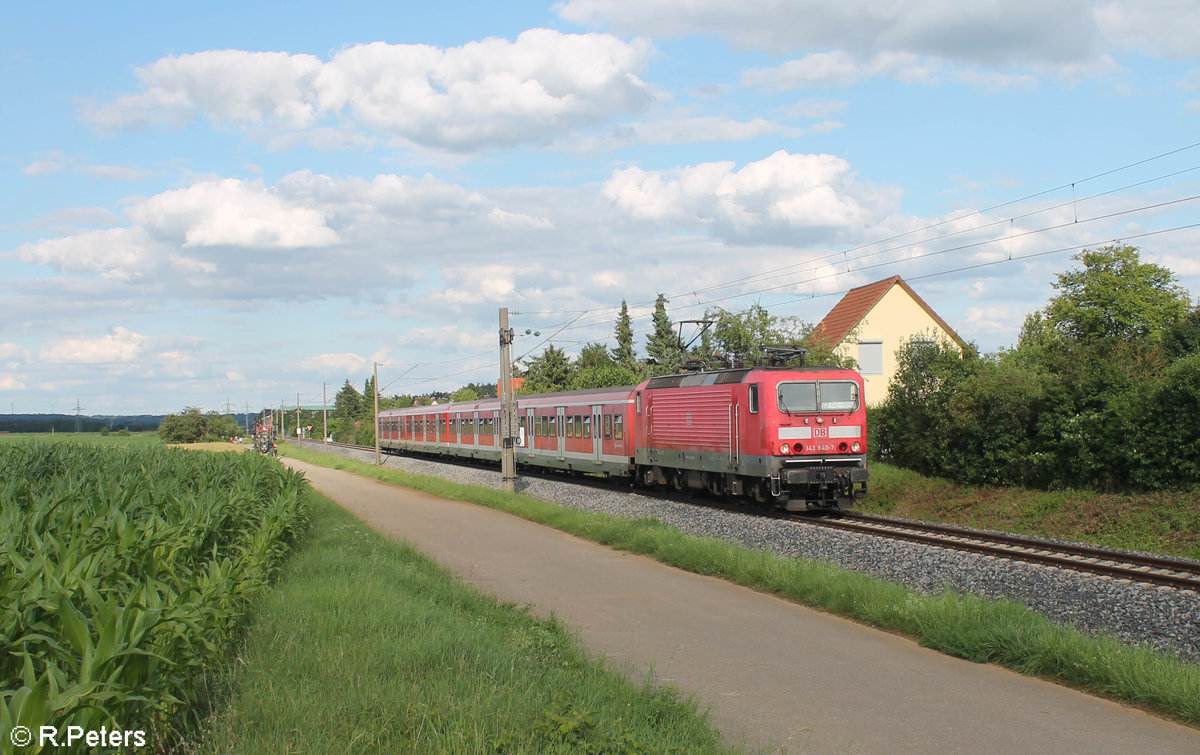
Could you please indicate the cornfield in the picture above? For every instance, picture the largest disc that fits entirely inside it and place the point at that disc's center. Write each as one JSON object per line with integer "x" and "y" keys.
{"x": 125, "y": 572}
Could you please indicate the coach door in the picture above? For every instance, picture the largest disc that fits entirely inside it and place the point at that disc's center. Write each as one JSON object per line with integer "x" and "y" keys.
{"x": 597, "y": 428}
{"x": 561, "y": 424}
{"x": 530, "y": 428}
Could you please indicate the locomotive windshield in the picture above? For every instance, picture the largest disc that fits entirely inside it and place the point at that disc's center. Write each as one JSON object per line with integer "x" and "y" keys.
{"x": 820, "y": 396}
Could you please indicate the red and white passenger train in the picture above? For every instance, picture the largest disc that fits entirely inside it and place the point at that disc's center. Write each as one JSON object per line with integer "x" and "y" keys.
{"x": 792, "y": 437}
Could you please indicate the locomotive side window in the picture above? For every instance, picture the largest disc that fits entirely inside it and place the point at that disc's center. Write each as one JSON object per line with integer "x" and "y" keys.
{"x": 754, "y": 399}
{"x": 639, "y": 402}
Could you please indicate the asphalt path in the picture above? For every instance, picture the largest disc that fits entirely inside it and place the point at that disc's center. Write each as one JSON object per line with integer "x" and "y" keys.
{"x": 775, "y": 676}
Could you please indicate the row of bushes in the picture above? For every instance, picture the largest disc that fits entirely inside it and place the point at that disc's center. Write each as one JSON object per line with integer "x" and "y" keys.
{"x": 1105, "y": 422}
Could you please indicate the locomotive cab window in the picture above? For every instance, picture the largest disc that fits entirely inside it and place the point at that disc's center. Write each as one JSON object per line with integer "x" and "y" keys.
{"x": 823, "y": 396}
{"x": 754, "y": 399}
{"x": 838, "y": 397}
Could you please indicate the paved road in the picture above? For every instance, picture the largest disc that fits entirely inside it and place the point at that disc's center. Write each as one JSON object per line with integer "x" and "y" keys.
{"x": 777, "y": 676}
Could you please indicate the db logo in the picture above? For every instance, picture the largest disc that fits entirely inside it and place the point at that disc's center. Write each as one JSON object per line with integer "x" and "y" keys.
{"x": 820, "y": 432}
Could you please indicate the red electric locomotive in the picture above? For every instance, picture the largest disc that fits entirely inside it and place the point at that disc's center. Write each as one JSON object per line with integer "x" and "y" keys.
{"x": 794, "y": 437}
{"x": 791, "y": 437}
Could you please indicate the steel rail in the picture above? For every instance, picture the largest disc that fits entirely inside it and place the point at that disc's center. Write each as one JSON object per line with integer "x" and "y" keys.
{"x": 1168, "y": 572}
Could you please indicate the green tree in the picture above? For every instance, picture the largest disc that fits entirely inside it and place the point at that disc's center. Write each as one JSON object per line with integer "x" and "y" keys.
{"x": 348, "y": 402}
{"x": 624, "y": 353}
{"x": 1114, "y": 297}
{"x": 346, "y": 416}
{"x": 188, "y": 426}
{"x": 466, "y": 393}
{"x": 605, "y": 376}
{"x": 663, "y": 344}
{"x": 551, "y": 371}
{"x": 1183, "y": 339}
{"x": 592, "y": 356}
{"x": 739, "y": 337}
{"x": 913, "y": 427}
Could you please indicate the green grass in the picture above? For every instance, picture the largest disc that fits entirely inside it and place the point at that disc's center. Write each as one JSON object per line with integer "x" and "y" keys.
{"x": 961, "y": 625}
{"x": 1162, "y": 522}
{"x": 112, "y": 439}
{"x": 367, "y": 646}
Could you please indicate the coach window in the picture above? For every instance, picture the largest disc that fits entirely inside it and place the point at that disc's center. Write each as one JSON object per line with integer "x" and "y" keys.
{"x": 608, "y": 426}
{"x": 570, "y": 426}
{"x": 578, "y": 425}
{"x": 618, "y": 427}
{"x": 587, "y": 428}
{"x": 754, "y": 399}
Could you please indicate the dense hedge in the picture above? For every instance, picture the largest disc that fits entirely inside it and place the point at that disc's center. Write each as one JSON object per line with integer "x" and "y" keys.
{"x": 1113, "y": 419}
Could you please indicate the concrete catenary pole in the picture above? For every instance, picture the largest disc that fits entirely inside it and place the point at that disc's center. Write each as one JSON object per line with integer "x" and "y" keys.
{"x": 375, "y": 390}
{"x": 508, "y": 453}
{"x": 324, "y": 415}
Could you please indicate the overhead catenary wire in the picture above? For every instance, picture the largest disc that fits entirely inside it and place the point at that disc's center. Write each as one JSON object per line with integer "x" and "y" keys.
{"x": 577, "y": 319}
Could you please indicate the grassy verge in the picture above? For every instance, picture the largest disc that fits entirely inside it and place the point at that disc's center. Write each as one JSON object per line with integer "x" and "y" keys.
{"x": 1163, "y": 522}
{"x": 367, "y": 646}
{"x": 960, "y": 625}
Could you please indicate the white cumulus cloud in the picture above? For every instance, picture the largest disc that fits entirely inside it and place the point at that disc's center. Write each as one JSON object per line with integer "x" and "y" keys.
{"x": 118, "y": 347}
{"x": 493, "y": 92}
{"x": 231, "y": 212}
{"x": 781, "y": 193}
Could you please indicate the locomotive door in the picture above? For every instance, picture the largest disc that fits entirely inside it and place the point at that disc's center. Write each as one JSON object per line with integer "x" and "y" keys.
{"x": 597, "y": 432}
{"x": 561, "y": 424}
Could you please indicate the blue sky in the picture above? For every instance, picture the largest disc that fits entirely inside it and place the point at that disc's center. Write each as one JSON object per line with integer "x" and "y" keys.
{"x": 220, "y": 203}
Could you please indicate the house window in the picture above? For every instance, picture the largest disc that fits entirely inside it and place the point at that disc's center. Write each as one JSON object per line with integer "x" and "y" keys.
{"x": 870, "y": 357}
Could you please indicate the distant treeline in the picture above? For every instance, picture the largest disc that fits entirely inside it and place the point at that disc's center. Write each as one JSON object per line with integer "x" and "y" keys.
{"x": 69, "y": 423}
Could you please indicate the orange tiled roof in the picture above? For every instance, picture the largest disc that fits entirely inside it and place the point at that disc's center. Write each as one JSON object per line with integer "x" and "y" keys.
{"x": 857, "y": 302}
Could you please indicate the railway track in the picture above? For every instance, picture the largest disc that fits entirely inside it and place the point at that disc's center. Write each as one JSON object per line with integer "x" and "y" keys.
{"x": 1157, "y": 570}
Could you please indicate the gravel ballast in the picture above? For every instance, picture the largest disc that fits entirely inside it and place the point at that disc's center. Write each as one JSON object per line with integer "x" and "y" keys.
{"x": 1164, "y": 618}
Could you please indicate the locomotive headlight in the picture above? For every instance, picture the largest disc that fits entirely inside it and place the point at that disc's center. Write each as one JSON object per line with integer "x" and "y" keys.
{"x": 784, "y": 448}
{"x": 856, "y": 447}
